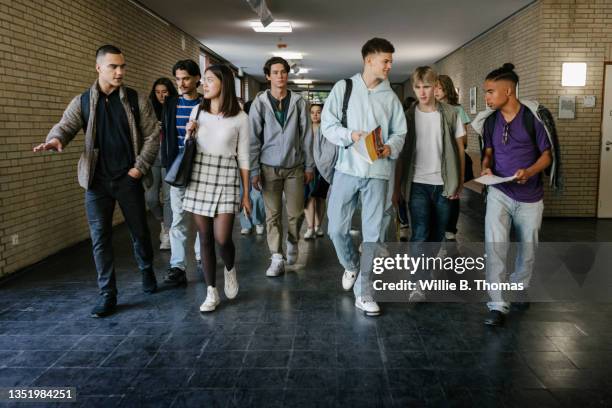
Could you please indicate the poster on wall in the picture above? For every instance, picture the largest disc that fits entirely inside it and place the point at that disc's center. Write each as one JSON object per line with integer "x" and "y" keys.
{"x": 473, "y": 100}
{"x": 567, "y": 107}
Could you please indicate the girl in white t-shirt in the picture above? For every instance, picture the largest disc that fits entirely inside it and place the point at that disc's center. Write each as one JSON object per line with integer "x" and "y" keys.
{"x": 221, "y": 129}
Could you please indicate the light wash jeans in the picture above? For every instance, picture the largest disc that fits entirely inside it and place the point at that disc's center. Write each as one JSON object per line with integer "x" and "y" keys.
{"x": 181, "y": 221}
{"x": 503, "y": 213}
{"x": 345, "y": 192}
{"x": 258, "y": 215}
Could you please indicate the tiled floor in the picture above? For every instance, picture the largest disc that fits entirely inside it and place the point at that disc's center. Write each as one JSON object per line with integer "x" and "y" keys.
{"x": 296, "y": 340}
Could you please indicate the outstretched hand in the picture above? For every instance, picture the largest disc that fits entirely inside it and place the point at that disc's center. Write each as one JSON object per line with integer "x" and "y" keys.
{"x": 53, "y": 145}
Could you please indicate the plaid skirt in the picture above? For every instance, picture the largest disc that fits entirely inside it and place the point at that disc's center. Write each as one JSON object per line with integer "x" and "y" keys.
{"x": 214, "y": 186}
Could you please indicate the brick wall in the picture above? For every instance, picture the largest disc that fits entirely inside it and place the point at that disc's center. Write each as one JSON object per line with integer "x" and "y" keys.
{"x": 576, "y": 31}
{"x": 46, "y": 57}
{"x": 561, "y": 31}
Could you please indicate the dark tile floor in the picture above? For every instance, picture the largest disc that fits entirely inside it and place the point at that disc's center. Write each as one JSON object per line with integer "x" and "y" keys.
{"x": 296, "y": 340}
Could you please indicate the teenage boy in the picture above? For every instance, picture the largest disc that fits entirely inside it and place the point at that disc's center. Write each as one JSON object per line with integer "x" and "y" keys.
{"x": 430, "y": 171}
{"x": 175, "y": 116}
{"x": 121, "y": 144}
{"x": 281, "y": 159}
{"x": 372, "y": 103}
{"x": 510, "y": 150}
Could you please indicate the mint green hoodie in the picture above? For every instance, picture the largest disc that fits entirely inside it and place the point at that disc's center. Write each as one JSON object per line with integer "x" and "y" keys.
{"x": 367, "y": 109}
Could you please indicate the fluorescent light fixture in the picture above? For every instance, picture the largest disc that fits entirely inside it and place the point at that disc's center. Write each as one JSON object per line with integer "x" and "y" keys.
{"x": 303, "y": 71}
{"x": 273, "y": 27}
{"x": 302, "y": 81}
{"x": 289, "y": 55}
{"x": 573, "y": 74}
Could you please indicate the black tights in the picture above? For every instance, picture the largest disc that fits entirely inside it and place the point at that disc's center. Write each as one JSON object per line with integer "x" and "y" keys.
{"x": 217, "y": 229}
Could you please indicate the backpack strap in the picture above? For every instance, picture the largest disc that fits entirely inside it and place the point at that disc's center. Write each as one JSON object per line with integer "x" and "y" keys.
{"x": 529, "y": 124}
{"x": 487, "y": 131}
{"x": 345, "y": 101}
{"x": 132, "y": 96}
{"x": 85, "y": 109}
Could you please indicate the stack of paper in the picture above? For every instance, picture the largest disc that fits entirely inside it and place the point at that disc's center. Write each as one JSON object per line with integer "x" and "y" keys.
{"x": 490, "y": 179}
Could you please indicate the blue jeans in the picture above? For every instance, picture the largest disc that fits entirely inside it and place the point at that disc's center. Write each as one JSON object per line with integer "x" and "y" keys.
{"x": 429, "y": 212}
{"x": 503, "y": 213}
{"x": 100, "y": 201}
{"x": 181, "y": 222}
{"x": 343, "y": 199}
{"x": 258, "y": 215}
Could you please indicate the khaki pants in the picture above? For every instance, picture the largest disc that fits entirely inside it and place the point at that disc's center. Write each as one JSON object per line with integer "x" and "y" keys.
{"x": 276, "y": 181}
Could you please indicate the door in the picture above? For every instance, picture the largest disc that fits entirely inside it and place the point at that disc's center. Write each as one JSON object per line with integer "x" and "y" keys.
{"x": 605, "y": 173}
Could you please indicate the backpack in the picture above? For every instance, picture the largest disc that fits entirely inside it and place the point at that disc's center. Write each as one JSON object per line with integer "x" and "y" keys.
{"x": 546, "y": 118}
{"x": 325, "y": 152}
{"x": 132, "y": 96}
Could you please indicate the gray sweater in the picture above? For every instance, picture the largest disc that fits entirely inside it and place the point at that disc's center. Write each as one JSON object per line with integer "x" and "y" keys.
{"x": 286, "y": 147}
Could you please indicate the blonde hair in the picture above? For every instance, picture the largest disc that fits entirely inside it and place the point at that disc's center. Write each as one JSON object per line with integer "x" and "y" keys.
{"x": 424, "y": 74}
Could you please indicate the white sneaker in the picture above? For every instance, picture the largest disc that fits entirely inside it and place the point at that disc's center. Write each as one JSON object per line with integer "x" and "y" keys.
{"x": 292, "y": 253}
{"x": 277, "y": 266}
{"x": 310, "y": 234}
{"x": 164, "y": 243}
{"x": 212, "y": 300}
{"x": 369, "y": 306}
{"x": 231, "y": 283}
{"x": 245, "y": 231}
{"x": 319, "y": 232}
{"x": 348, "y": 279}
{"x": 162, "y": 232}
{"x": 450, "y": 236}
{"x": 260, "y": 229}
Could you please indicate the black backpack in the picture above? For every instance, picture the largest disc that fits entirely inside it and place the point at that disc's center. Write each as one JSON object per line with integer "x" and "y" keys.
{"x": 132, "y": 96}
{"x": 325, "y": 152}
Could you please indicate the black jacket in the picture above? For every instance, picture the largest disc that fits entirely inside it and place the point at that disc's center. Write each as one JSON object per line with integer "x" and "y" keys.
{"x": 169, "y": 144}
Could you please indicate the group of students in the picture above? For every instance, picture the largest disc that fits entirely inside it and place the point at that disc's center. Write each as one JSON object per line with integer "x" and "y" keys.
{"x": 267, "y": 155}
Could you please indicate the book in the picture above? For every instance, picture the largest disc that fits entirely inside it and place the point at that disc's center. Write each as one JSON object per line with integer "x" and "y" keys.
{"x": 370, "y": 146}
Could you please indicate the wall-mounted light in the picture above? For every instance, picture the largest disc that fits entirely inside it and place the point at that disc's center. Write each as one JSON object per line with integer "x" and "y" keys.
{"x": 573, "y": 74}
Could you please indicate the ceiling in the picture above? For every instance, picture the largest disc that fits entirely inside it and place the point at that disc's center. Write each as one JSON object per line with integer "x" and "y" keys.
{"x": 330, "y": 33}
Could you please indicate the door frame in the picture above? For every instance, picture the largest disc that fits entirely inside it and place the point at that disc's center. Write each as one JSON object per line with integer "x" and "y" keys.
{"x": 601, "y": 143}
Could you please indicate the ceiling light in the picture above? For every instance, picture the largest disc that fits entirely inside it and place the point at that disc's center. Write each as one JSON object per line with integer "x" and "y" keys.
{"x": 273, "y": 27}
{"x": 303, "y": 71}
{"x": 289, "y": 55}
{"x": 302, "y": 81}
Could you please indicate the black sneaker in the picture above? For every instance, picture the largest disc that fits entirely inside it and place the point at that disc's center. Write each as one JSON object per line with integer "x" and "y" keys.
{"x": 494, "y": 318}
{"x": 105, "y": 306}
{"x": 149, "y": 282}
{"x": 519, "y": 306}
{"x": 175, "y": 276}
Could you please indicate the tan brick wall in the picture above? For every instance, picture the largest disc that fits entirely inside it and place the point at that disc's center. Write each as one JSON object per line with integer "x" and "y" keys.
{"x": 46, "y": 57}
{"x": 576, "y": 31}
{"x": 561, "y": 31}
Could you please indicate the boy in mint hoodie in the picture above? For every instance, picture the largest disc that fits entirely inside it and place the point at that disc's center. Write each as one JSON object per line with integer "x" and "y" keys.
{"x": 372, "y": 103}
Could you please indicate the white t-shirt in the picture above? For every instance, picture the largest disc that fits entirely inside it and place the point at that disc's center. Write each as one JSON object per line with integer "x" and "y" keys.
{"x": 428, "y": 163}
{"x": 219, "y": 136}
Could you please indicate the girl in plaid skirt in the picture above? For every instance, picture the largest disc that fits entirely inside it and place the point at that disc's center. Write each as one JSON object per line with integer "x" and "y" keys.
{"x": 221, "y": 163}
